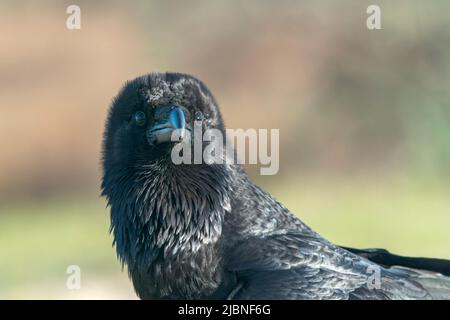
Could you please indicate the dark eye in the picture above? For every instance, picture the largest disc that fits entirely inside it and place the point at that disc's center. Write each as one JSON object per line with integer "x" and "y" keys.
{"x": 140, "y": 118}
{"x": 199, "y": 116}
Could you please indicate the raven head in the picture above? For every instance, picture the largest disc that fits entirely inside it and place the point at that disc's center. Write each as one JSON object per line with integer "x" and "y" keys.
{"x": 154, "y": 112}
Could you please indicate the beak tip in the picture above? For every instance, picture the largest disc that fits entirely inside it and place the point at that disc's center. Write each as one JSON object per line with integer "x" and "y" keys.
{"x": 177, "y": 118}
{"x": 173, "y": 128}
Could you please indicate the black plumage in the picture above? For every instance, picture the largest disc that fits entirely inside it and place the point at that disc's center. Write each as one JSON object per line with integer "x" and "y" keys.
{"x": 205, "y": 231}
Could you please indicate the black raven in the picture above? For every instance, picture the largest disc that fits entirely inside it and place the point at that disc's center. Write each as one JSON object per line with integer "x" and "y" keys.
{"x": 205, "y": 231}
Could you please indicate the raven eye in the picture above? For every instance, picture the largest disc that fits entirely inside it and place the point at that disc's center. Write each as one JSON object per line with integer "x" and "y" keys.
{"x": 199, "y": 116}
{"x": 139, "y": 118}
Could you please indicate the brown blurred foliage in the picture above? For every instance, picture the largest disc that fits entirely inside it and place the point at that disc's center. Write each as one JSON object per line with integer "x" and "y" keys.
{"x": 345, "y": 98}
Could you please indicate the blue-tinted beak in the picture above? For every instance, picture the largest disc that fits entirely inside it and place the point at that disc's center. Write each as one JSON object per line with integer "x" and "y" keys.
{"x": 170, "y": 125}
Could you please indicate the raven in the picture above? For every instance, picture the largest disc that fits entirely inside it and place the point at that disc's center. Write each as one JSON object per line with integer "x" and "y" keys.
{"x": 205, "y": 231}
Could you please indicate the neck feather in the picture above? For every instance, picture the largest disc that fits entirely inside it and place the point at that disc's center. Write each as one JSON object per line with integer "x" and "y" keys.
{"x": 162, "y": 209}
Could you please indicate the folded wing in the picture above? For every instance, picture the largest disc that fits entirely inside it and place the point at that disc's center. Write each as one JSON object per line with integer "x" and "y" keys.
{"x": 299, "y": 266}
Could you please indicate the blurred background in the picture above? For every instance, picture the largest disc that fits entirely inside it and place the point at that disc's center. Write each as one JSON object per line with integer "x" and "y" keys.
{"x": 364, "y": 120}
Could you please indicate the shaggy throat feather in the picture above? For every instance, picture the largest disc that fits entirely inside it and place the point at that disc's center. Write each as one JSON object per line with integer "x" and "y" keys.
{"x": 170, "y": 212}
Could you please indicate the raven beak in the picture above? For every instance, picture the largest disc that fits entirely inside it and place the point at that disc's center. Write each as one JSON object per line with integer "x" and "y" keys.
{"x": 170, "y": 125}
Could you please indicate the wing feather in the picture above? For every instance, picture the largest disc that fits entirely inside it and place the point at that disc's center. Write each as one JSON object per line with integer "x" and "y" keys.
{"x": 299, "y": 266}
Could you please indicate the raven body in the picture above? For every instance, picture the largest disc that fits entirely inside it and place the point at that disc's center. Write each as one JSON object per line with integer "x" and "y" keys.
{"x": 205, "y": 231}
